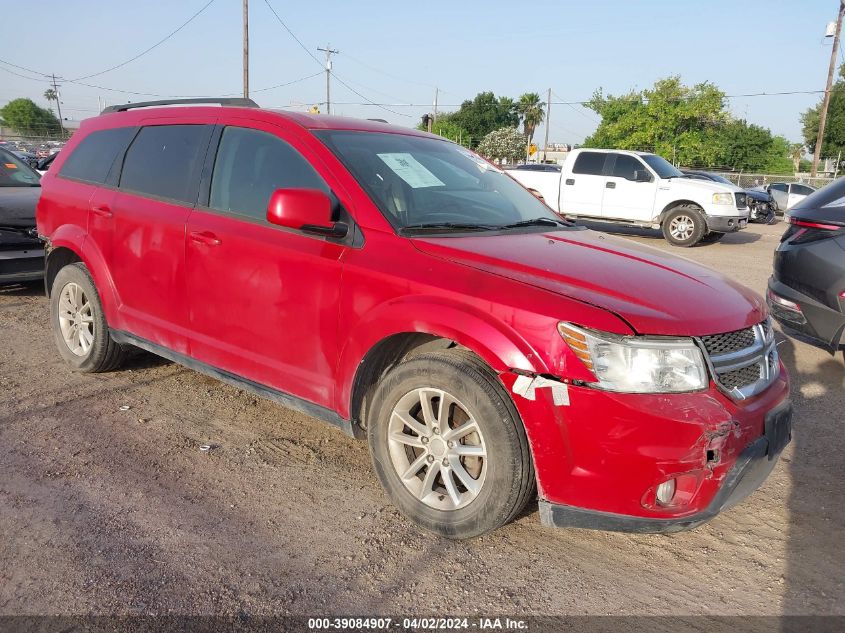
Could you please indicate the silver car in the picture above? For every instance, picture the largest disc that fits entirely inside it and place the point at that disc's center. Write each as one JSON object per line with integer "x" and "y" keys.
{"x": 786, "y": 194}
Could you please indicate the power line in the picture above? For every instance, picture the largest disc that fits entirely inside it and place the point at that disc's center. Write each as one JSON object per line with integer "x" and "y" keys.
{"x": 154, "y": 46}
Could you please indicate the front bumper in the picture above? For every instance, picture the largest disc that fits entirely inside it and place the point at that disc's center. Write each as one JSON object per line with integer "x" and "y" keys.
{"x": 21, "y": 265}
{"x": 603, "y": 455}
{"x": 750, "y": 470}
{"x": 726, "y": 224}
{"x": 817, "y": 323}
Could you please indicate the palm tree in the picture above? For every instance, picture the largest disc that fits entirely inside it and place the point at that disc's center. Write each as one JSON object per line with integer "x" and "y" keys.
{"x": 796, "y": 153}
{"x": 51, "y": 95}
{"x": 530, "y": 109}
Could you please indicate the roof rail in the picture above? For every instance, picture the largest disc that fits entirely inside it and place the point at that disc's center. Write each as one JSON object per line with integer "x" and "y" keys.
{"x": 233, "y": 101}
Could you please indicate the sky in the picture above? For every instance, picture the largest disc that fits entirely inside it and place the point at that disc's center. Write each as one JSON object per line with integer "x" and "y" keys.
{"x": 397, "y": 53}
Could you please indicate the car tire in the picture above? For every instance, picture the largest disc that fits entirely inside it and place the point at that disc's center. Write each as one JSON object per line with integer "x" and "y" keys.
{"x": 461, "y": 477}
{"x": 684, "y": 226}
{"x": 712, "y": 238}
{"x": 79, "y": 325}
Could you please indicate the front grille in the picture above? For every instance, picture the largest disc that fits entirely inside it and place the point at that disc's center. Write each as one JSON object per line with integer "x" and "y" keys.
{"x": 717, "y": 344}
{"x": 740, "y": 200}
{"x": 744, "y": 362}
{"x": 740, "y": 377}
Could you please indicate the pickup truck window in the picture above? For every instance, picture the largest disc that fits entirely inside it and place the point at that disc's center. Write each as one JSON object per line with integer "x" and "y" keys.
{"x": 663, "y": 167}
{"x": 625, "y": 166}
{"x": 425, "y": 183}
{"x": 589, "y": 163}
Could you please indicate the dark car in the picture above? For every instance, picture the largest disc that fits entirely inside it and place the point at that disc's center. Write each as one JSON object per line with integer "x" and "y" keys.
{"x": 538, "y": 167}
{"x": 807, "y": 290}
{"x": 21, "y": 252}
{"x": 761, "y": 205}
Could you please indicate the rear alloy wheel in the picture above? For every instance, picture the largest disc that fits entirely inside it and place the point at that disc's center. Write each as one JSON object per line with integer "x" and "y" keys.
{"x": 448, "y": 445}
{"x": 684, "y": 226}
{"x": 79, "y": 325}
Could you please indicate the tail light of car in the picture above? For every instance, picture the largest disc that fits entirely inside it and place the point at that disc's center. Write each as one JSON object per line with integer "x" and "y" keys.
{"x": 804, "y": 231}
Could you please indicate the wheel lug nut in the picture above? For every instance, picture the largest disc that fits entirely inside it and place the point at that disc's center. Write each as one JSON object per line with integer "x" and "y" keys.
{"x": 445, "y": 462}
{"x": 436, "y": 431}
{"x": 450, "y": 444}
{"x": 424, "y": 440}
{"x": 429, "y": 459}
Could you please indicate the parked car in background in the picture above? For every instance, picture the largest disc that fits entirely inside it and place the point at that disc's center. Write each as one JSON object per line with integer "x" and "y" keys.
{"x": 44, "y": 164}
{"x": 21, "y": 252}
{"x": 639, "y": 189}
{"x": 401, "y": 287}
{"x": 786, "y": 194}
{"x": 27, "y": 157}
{"x": 807, "y": 289}
{"x": 538, "y": 167}
{"x": 761, "y": 208}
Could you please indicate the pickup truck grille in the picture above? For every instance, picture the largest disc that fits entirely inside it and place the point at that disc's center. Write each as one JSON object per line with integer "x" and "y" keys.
{"x": 741, "y": 202}
{"x": 743, "y": 362}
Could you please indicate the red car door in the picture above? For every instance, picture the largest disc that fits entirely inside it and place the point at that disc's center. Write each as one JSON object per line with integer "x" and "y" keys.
{"x": 158, "y": 188}
{"x": 263, "y": 299}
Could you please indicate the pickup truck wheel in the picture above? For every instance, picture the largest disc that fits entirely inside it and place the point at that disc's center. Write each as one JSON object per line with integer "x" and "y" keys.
{"x": 684, "y": 226}
{"x": 79, "y": 326}
{"x": 448, "y": 445}
{"x": 712, "y": 238}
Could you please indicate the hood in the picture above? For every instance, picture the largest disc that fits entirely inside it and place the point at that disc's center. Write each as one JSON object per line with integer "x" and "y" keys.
{"x": 760, "y": 196}
{"x": 17, "y": 206}
{"x": 708, "y": 185}
{"x": 656, "y": 293}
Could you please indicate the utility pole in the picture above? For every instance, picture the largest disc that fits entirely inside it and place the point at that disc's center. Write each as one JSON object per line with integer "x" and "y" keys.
{"x": 548, "y": 114}
{"x": 436, "y": 90}
{"x": 58, "y": 104}
{"x": 246, "y": 49}
{"x": 329, "y": 51}
{"x": 826, "y": 100}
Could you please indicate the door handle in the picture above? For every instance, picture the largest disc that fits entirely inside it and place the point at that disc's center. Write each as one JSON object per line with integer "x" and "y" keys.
{"x": 205, "y": 237}
{"x": 102, "y": 211}
{"x": 611, "y": 185}
{"x": 569, "y": 181}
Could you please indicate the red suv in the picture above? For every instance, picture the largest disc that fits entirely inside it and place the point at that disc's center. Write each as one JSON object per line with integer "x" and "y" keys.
{"x": 404, "y": 289}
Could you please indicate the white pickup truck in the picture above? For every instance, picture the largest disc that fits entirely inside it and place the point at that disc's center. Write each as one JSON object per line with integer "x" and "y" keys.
{"x": 639, "y": 189}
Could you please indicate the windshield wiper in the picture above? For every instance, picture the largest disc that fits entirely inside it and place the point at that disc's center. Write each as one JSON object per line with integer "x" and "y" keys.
{"x": 542, "y": 221}
{"x": 447, "y": 226}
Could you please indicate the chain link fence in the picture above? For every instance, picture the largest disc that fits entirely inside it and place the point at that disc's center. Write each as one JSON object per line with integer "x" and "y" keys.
{"x": 748, "y": 181}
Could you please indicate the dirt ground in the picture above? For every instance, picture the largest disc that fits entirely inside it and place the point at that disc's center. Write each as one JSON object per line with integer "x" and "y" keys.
{"x": 105, "y": 510}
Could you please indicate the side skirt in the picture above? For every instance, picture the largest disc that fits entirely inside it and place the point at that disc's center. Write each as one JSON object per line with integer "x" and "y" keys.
{"x": 282, "y": 398}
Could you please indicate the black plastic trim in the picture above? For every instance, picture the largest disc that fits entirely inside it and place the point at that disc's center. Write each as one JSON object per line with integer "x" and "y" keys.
{"x": 285, "y": 399}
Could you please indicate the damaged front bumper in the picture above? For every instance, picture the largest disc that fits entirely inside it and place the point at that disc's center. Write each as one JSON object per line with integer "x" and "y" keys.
{"x": 601, "y": 457}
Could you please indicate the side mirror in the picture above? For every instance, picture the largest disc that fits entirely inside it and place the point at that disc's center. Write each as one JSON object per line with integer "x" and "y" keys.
{"x": 306, "y": 210}
{"x": 641, "y": 175}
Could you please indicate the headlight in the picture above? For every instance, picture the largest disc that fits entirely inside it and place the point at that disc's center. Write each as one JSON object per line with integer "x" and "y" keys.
{"x": 637, "y": 364}
{"x": 723, "y": 198}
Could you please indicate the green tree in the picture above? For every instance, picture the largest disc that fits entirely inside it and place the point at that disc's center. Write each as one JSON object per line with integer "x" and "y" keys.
{"x": 834, "y": 129}
{"x": 27, "y": 118}
{"x": 504, "y": 144}
{"x": 670, "y": 119}
{"x": 51, "y": 95}
{"x": 485, "y": 113}
{"x": 796, "y": 154}
{"x": 446, "y": 127}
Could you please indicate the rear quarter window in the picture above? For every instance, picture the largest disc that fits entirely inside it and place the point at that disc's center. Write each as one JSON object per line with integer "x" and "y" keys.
{"x": 92, "y": 159}
{"x": 591, "y": 163}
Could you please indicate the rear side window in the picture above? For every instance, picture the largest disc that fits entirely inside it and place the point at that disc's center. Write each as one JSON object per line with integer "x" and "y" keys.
{"x": 93, "y": 157}
{"x": 589, "y": 163}
{"x": 803, "y": 190}
{"x": 250, "y": 166}
{"x": 779, "y": 187}
{"x": 162, "y": 161}
{"x": 625, "y": 166}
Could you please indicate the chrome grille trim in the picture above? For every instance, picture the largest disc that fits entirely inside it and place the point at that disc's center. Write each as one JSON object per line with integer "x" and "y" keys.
{"x": 743, "y": 372}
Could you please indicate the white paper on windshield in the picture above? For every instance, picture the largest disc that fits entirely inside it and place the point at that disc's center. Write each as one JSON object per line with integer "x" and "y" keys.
{"x": 410, "y": 170}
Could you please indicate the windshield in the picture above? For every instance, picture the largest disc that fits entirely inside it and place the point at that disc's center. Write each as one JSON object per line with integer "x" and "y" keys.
{"x": 721, "y": 179}
{"x": 420, "y": 183}
{"x": 16, "y": 173}
{"x": 663, "y": 167}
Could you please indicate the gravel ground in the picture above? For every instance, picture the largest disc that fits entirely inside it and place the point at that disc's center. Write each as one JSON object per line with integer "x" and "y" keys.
{"x": 108, "y": 510}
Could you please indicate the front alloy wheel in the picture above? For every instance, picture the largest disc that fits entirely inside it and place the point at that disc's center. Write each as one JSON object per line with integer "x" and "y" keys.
{"x": 437, "y": 449}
